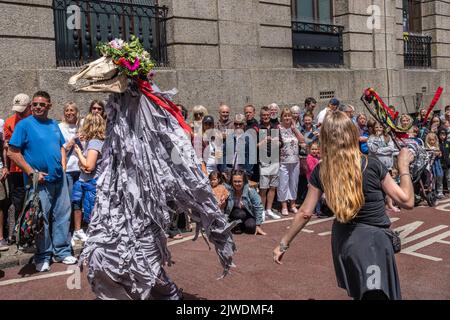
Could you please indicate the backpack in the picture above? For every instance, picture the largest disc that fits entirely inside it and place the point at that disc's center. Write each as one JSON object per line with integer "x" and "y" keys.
{"x": 31, "y": 220}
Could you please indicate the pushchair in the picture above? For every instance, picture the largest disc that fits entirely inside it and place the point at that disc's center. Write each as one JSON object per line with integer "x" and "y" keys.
{"x": 424, "y": 181}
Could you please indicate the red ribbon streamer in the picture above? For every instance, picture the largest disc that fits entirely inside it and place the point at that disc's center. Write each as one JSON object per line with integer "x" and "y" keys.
{"x": 436, "y": 97}
{"x": 389, "y": 110}
{"x": 147, "y": 90}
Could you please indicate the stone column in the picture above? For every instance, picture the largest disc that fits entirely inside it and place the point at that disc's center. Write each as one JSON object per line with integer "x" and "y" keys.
{"x": 28, "y": 36}
{"x": 192, "y": 34}
{"x": 436, "y": 22}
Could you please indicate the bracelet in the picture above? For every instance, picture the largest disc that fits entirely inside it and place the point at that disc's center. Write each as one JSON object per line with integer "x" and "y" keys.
{"x": 405, "y": 174}
{"x": 283, "y": 247}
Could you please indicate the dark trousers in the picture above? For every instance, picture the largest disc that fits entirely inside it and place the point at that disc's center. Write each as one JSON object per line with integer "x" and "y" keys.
{"x": 248, "y": 224}
{"x": 16, "y": 191}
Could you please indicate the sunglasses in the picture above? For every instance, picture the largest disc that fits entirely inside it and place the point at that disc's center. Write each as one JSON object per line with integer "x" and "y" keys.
{"x": 238, "y": 124}
{"x": 40, "y": 104}
{"x": 198, "y": 114}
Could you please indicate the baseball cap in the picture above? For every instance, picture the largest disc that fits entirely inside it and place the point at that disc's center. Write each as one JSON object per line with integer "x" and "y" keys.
{"x": 208, "y": 119}
{"x": 334, "y": 102}
{"x": 20, "y": 102}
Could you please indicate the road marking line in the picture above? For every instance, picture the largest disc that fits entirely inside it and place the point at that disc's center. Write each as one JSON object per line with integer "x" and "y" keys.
{"x": 424, "y": 256}
{"x": 43, "y": 276}
{"x": 277, "y": 220}
{"x": 421, "y": 234}
{"x": 320, "y": 221}
{"x": 171, "y": 243}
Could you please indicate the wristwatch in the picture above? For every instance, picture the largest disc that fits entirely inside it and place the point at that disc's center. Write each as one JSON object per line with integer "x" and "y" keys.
{"x": 283, "y": 247}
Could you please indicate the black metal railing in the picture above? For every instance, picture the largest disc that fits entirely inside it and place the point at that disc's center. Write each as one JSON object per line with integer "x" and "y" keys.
{"x": 316, "y": 44}
{"x": 417, "y": 50}
{"x": 81, "y": 24}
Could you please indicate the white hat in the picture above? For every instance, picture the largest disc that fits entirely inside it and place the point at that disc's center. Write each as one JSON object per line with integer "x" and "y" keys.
{"x": 20, "y": 102}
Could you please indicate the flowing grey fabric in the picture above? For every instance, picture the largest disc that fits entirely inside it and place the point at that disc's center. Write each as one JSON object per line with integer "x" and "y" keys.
{"x": 148, "y": 160}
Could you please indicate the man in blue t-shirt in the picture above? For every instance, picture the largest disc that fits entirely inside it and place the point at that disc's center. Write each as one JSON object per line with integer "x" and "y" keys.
{"x": 36, "y": 146}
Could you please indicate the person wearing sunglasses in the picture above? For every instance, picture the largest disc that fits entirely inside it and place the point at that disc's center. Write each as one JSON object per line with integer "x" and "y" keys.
{"x": 198, "y": 112}
{"x": 97, "y": 106}
{"x": 37, "y": 147}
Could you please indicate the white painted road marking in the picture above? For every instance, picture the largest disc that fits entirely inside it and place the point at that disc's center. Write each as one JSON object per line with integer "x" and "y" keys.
{"x": 42, "y": 276}
{"x": 439, "y": 239}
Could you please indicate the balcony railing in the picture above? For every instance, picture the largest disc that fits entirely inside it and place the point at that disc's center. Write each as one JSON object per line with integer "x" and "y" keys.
{"x": 417, "y": 50}
{"x": 81, "y": 24}
{"x": 316, "y": 44}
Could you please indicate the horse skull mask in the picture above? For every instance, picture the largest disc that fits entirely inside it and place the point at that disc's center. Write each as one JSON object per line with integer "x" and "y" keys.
{"x": 103, "y": 76}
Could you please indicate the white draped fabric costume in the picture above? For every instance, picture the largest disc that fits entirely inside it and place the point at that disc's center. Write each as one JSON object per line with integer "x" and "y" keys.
{"x": 148, "y": 161}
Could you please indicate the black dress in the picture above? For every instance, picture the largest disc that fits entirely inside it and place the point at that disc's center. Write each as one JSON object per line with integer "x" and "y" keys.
{"x": 363, "y": 255}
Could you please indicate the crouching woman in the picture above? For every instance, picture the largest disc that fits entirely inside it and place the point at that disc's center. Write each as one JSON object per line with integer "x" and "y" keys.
{"x": 244, "y": 204}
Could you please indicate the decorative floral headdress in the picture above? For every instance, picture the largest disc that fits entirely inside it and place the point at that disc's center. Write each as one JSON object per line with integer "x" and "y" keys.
{"x": 131, "y": 58}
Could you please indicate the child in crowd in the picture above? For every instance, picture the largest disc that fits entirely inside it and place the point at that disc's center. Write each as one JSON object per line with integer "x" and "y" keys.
{"x": 382, "y": 147}
{"x": 220, "y": 192}
{"x": 444, "y": 146}
{"x": 84, "y": 190}
{"x": 312, "y": 159}
{"x": 432, "y": 142}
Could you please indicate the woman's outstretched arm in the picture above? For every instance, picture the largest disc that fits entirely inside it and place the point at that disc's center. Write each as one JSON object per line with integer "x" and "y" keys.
{"x": 300, "y": 220}
{"x": 403, "y": 195}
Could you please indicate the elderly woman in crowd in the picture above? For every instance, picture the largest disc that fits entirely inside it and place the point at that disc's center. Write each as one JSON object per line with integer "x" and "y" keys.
{"x": 198, "y": 112}
{"x": 244, "y": 204}
{"x": 296, "y": 116}
{"x": 290, "y": 139}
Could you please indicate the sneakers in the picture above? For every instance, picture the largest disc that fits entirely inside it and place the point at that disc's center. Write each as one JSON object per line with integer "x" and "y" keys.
{"x": 293, "y": 210}
{"x": 440, "y": 196}
{"x": 43, "y": 266}
{"x": 66, "y": 260}
{"x": 284, "y": 212}
{"x": 271, "y": 214}
{"x": 78, "y": 235}
{"x": 4, "y": 245}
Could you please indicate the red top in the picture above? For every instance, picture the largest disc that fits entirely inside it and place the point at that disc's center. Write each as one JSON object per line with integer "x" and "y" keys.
{"x": 8, "y": 130}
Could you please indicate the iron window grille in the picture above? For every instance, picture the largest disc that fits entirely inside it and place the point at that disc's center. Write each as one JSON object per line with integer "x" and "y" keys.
{"x": 103, "y": 21}
{"x": 417, "y": 50}
{"x": 317, "y": 44}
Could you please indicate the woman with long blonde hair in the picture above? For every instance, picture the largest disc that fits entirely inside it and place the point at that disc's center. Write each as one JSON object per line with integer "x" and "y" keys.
{"x": 354, "y": 185}
{"x": 84, "y": 190}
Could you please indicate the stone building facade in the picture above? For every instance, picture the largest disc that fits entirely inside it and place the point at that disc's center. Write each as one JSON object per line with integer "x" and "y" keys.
{"x": 247, "y": 51}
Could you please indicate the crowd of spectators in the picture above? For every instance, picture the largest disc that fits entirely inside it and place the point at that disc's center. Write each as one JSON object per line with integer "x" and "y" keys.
{"x": 258, "y": 168}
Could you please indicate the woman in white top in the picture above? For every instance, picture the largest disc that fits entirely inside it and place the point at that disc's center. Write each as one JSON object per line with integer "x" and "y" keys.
{"x": 290, "y": 138}
{"x": 69, "y": 128}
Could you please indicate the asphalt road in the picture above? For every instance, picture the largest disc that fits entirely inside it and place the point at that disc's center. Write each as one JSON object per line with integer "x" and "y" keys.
{"x": 307, "y": 272}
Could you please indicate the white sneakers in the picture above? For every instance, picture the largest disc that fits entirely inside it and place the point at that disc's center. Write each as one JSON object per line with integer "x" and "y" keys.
{"x": 78, "y": 235}
{"x": 269, "y": 213}
{"x": 66, "y": 260}
{"x": 43, "y": 266}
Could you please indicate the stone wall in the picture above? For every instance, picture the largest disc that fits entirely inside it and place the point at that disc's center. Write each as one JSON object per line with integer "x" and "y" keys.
{"x": 238, "y": 52}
